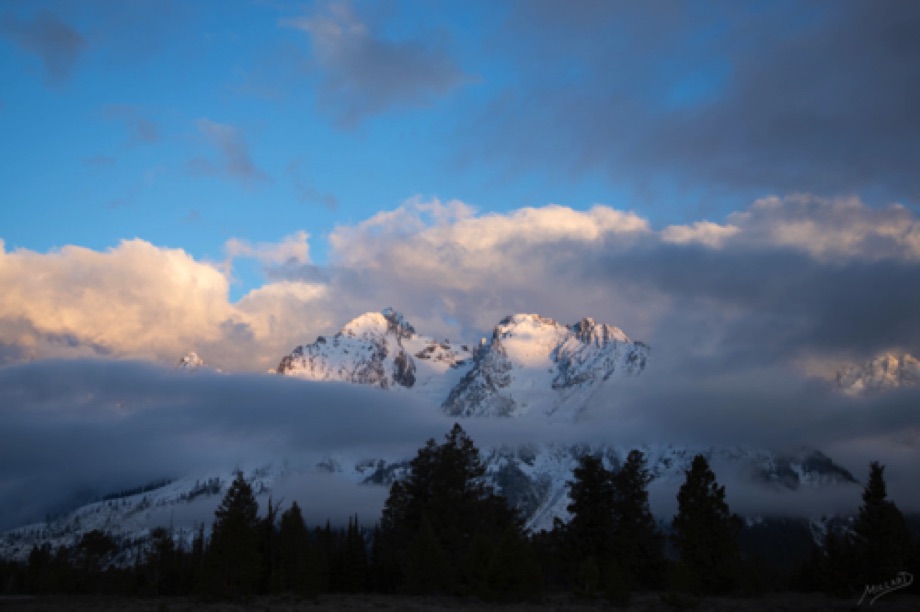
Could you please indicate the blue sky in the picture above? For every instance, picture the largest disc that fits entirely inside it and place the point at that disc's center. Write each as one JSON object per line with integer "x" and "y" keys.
{"x": 105, "y": 138}
{"x": 734, "y": 183}
{"x": 292, "y": 147}
{"x": 102, "y": 129}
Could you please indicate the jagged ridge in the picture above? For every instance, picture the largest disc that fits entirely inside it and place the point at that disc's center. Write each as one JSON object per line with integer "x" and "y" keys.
{"x": 532, "y": 364}
{"x": 885, "y": 372}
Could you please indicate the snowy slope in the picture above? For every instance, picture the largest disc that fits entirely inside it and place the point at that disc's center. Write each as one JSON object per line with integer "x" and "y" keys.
{"x": 536, "y": 365}
{"x": 531, "y": 365}
{"x": 382, "y": 350}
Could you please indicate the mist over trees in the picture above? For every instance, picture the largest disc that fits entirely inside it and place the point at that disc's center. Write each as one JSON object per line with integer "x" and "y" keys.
{"x": 445, "y": 531}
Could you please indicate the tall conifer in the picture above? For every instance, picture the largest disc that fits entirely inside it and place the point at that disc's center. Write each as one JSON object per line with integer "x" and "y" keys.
{"x": 705, "y": 531}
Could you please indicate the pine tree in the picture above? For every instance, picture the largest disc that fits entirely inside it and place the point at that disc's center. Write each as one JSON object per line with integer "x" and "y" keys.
{"x": 513, "y": 571}
{"x": 354, "y": 558}
{"x": 705, "y": 531}
{"x": 638, "y": 544}
{"x": 445, "y": 489}
{"x": 613, "y": 525}
{"x": 591, "y": 530}
{"x": 428, "y": 570}
{"x": 164, "y": 563}
{"x": 232, "y": 563}
{"x": 267, "y": 531}
{"x": 296, "y": 571}
{"x": 880, "y": 537}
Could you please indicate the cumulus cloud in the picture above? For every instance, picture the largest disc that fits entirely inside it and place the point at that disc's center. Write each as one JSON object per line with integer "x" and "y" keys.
{"x": 737, "y": 321}
{"x": 235, "y": 159}
{"x": 140, "y": 300}
{"x": 56, "y": 43}
{"x": 702, "y": 232}
{"x": 291, "y": 250}
{"x": 365, "y": 73}
{"x": 797, "y": 278}
{"x": 831, "y": 228}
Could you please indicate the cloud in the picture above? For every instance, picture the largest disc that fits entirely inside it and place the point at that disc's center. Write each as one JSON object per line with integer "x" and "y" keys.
{"x": 736, "y": 319}
{"x": 701, "y": 232}
{"x": 56, "y": 43}
{"x": 139, "y": 300}
{"x": 140, "y": 130}
{"x": 364, "y": 73}
{"x": 719, "y": 97}
{"x": 116, "y": 299}
{"x": 785, "y": 278}
{"x": 800, "y": 279}
{"x": 76, "y": 430}
{"x": 291, "y": 250}
{"x": 236, "y": 161}
{"x": 831, "y": 228}
{"x": 306, "y": 192}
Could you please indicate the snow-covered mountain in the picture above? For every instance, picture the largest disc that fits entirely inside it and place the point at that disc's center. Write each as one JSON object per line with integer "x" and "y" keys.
{"x": 535, "y": 365}
{"x": 887, "y": 371}
{"x": 531, "y": 364}
{"x": 382, "y": 350}
{"x": 531, "y": 367}
{"x": 190, "y": 362}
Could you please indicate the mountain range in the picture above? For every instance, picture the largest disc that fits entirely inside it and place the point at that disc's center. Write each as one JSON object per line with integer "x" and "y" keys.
{"x": 531, "y": 365}
{"x": 531, "y": 368}
{"x": 887, "y": 371}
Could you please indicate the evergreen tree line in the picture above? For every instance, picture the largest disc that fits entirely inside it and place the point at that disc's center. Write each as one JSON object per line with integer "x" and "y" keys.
{"x": 444, "y": 530}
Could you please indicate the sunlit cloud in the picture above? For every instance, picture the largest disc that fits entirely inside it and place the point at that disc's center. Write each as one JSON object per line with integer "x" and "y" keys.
{"x": 796, "y": 277}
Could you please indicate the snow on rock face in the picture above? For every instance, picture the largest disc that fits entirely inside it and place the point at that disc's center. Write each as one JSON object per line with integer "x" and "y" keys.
{"x": 380, "y": 349}
{"x": 885, "y": 372}
{"x": 531, "y": 365}
{"x": 536, "y": 365}
{"x": 190, "y": 362}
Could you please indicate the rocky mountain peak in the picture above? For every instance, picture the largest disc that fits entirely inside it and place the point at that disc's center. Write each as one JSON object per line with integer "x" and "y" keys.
{"x": 887, "y": 371}
{"x": 373, "y": 324}
{"x": 533, "y": 365}
{"x": 598, "y": 334}
{"x": 190, "y": 362}
{"x": 517, "y": 324}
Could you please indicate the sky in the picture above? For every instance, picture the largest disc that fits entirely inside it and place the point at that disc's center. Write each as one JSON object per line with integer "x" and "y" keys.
{"x": 734, "y": 183}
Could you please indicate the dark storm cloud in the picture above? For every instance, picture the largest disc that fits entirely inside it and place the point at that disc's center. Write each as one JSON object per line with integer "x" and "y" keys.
{"x": 56, "y": 43}
{"x": 364, "y": 73}
{"x": 771, "y": 304}
{"x": 820, "y": 97}
{"x": 79, "y": 429}
{"x": 75, "y": 430}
